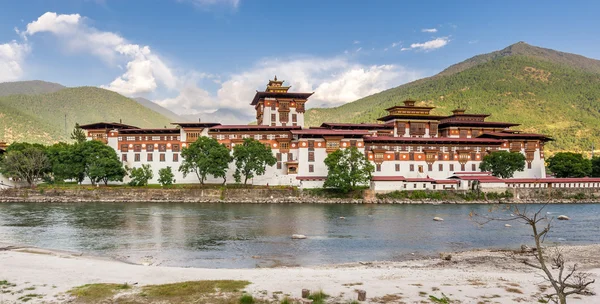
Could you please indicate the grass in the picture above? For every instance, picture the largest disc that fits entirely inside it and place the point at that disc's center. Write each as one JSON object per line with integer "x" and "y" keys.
{"x": 443, "y": 300}
{"x": 514, "y": 290}
{"x": 217, "y": 292}
{"x": 30, "y": 296}
{"x": 318, "y": 297}
{"x": 97, "y": 292}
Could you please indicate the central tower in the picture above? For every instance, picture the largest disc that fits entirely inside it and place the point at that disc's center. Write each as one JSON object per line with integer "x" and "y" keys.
{"x": 277, "y": 107}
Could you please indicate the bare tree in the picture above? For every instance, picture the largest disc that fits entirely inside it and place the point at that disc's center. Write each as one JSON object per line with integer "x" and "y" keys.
{"x": 566, "y": 280}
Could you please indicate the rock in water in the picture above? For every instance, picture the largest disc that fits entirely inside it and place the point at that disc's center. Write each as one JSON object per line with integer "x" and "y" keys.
{"x": 342, "y": 218}
{"x": 438, "y": 219}
{"x": 298, "y": 236}
{"x": 563, "y": 218}
{"x": 507, "y": 225}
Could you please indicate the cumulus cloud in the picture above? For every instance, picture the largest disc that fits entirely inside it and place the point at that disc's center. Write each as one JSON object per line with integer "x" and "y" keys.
{"x": 145, "y": 70}
{"x": 334, "y": 81}
{"x": 429, "y": 45}
{"x": 12, "y": 56}
{"x": 429, "y": 30}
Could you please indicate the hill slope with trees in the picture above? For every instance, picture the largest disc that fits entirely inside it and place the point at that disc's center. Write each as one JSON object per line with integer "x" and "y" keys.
{"x": 546, "y": 91}
{"x": 41, "y": 118}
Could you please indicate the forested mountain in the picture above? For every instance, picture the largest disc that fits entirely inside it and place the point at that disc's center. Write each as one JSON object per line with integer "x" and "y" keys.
{"x": 544, "y": 90}
{"x": 50, "y": 117}
{"x": 29, "y": 87}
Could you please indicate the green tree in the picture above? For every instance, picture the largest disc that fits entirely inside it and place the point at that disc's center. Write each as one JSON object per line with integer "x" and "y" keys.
{"x": 568, "y": 164}
{"x": 503, "y": 164}
{"x": 141, "y": 176}
{"x": 101, "y": 163}
{"x": 166, "y": 176}
{"x": 347, "y": 169}
{"x": 596, "y": 166}
{"x": 78, "y": 134}
{"x": 251, "y": 159}
{"x": 25, "y": 162}
{"x": 205, "y": 157}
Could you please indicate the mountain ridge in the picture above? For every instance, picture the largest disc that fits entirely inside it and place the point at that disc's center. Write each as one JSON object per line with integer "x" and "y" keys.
{"x": 546, "y": 91}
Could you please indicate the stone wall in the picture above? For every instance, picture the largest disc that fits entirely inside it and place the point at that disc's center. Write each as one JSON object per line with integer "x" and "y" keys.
{"x": 265, "y": 195}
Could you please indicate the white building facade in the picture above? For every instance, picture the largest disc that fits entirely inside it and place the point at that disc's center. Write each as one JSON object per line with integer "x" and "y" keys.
{"x": 410, "y": 148}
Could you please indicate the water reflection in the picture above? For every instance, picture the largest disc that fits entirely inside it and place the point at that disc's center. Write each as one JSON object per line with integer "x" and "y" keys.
{"x": 252, "y": 235}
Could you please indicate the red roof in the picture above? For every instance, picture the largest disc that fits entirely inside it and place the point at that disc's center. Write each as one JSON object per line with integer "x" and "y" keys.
{"x": 196, "y": 124}
{"x": 388, "y": 178}
{"x": 318, "y": 178}
{"x": 329, "y": 132}
{"x": 553, "y": 180}
{"x": 446, "y": 181}
{"x": 149, "y": 131}
{"x": 432, "y": 140}
{"x": 475, "y": 123}
{"x": 480, "y": 178}
{"x": 420, "y": 179}
{"x": 507, "y": 135}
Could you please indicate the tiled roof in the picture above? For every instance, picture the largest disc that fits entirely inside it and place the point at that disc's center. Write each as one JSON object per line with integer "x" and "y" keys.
{"x": 260, "y": 95}
{"x": 431, "y": 140}
{"x": 107, "y": 125}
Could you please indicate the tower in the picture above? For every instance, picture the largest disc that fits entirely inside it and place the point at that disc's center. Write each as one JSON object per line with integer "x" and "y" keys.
{"x": 276, "y": 106}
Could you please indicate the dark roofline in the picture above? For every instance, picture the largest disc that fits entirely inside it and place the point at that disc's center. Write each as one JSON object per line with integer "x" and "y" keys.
{"x": 196, "y": 124}
{"x": 447, "y": 124}
{"x": 105, "y": 125}
{"x": 410, "y": 117}
{"x": 505, "y": 135}
{"x": 149, "y": 131}
{"x": 260, "y": 95}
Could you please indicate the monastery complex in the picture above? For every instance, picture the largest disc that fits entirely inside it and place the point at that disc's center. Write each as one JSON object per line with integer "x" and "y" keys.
{"x": 410, "y": 148}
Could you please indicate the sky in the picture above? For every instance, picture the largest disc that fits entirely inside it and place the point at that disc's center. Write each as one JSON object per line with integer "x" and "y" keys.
{"x": 197, "y": 56}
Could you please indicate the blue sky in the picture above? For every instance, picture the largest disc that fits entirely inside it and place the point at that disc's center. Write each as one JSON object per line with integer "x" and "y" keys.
{"x": 202, "y": 55}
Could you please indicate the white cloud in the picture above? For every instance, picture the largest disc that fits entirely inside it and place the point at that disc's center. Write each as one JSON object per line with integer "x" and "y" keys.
{"x": 395, "y": 44}
{"x": 429, "y": 30}
{"x": 12, "y": 56}
{"x": 335, "y": 81}
{"x": 429, "y": 45}
{"x": 356, "y": 42}
{"x": 359, "y": 49}
{"x": 145, "y": 70}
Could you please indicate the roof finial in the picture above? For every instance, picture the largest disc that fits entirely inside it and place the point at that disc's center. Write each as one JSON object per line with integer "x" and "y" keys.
{"x": 275, "y": 78}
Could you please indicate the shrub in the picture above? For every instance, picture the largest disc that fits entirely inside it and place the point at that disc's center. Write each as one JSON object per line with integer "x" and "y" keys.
{"x": 141, "y": 176}
{"x": 166, "y": 176}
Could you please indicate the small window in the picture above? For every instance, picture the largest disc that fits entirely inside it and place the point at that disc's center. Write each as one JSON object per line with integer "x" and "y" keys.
{"x": 150, "y": 148}
{"x": 311, "y": 156}
{"x": 311, "y": 168}
{"x": 273, "y": 117}
{"x": 284, "y": 145}
{"x": 175, "y": 157}
{"x": 412, "y": 168}
{"x": 175, "y": 148}
{"x": 429, "y": 167}
{"x": 124, "y": 148}
{"x": 397, "y": 167}
{"x": 473, "y": 167}
{"x": 137, "y": 148}
{"x": 420, "y": 169}
{"x": 451, "y": 167}
{"x": 124, "y": 157}
{"x": 528, "y": 165}
{"x": 150, "y": 157}
{"x": 278, "y": 165}
{"x": 162, "y": 157}
{"x": 378, "y": 167}
{"x": 136, "y": 157}
{"x": 462, "y": 167}
{"x": 162, "y": 147}
{"x": 441, "y": 167}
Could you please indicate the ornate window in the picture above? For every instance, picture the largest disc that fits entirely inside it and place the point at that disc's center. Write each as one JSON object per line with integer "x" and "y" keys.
{"x": 175, "y": 148}
{"x": 417, "y": 128}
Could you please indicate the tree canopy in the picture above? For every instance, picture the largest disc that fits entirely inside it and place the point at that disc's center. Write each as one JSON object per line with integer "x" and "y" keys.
{"x": 140, "y": 176}
{"x": 27, "y": 162}
{"x": 347, "y": 169}
{"x": 205, "y": 157}
{"x": 78, "y": 134}
{"x": 503, "y": 164}
{"x": 101, "y": 163}
{"x": 166, "y": 176}
{"x": 568, "y": 164}
{"x": 251, "y": 159}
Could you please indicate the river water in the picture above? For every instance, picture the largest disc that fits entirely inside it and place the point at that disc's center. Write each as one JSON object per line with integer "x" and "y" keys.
{"x": 259, "y": 235}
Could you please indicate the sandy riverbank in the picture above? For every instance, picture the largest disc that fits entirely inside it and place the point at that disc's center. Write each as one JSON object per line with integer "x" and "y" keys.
{"x": 470, "y": 277}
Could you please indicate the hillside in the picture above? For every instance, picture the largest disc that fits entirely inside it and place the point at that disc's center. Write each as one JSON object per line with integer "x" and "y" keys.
{"x": 159, "y": 109}
{"x": 29, "y": 87}
{"x": 41, "y": 118}
{"x": 544, "y": 90}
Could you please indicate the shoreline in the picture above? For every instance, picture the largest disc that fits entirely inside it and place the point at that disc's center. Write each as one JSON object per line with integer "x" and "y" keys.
{"x": 469, "y": 276}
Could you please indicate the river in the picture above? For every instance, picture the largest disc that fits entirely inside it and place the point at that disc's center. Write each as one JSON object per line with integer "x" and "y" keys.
{"x": 259, "y": 235}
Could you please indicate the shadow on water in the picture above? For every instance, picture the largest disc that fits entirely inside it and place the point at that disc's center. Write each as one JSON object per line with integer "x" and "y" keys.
{"x": 258, "y": 235}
